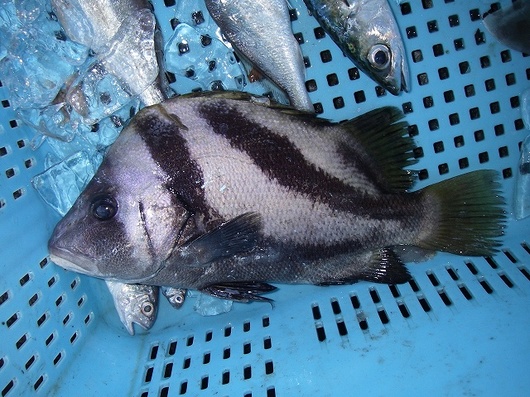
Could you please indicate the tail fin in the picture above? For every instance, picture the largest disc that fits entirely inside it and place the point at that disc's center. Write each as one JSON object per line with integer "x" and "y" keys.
{"x": 470, "y": 214}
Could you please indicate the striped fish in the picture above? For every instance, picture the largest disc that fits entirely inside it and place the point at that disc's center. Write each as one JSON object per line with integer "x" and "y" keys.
{"x": 224, "y": 194}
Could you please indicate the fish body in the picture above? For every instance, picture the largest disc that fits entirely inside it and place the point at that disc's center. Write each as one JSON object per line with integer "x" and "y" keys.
{"x": 511, "y": 25}
{"x": 135, "y": 304}
{"x": 223, "y": 194}
{"x": 123, "y": 36}
{"x": 261, "y": 32}
{"x": 368, "y": 34}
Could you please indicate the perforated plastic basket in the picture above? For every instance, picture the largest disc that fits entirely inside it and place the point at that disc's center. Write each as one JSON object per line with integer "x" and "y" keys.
{"x": 461, "y": 327}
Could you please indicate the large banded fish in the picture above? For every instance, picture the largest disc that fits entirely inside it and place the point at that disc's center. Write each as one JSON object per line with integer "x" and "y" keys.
{"x": 224, "y": 194}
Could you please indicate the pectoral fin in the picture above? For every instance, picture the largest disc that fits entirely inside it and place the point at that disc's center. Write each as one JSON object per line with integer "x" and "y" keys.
{"x": 245, "y": 291}
{"x": 231, "y": 238}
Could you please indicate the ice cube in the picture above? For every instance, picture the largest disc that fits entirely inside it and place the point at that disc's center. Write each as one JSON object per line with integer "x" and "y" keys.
{"x": 522, "y": 182}
{"x": 61, "y": 184}
{"x": 203, "y": 59}
{"x": 207, "y": 305}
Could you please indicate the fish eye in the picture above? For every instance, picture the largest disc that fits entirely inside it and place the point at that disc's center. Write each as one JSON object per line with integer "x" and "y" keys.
{"x": 104, "y": 208}
{"x": 147, "y": 308}
{"x": 379, "y": 56}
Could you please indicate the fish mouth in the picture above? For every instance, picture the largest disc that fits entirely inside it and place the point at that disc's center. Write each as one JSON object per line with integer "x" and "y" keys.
{"x": 69, "y": 260}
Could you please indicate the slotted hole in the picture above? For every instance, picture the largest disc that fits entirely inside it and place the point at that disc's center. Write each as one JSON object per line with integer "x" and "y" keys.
{"x": 315, "y": 309}
{"x": 510, "y": 256}
{"x": 209, "y": 336}
{"x": 321, "y": 333}
{"x": 394, "y": 291}
{"x": 183, "y": 388}
{"x": 444, "y": 297}
{"x": 226, "y": 353}
{"x": 164, "y": 392}
{"x": 424, "y": 304}
{"x": 206, "y": 358}
{"x": 374, "y": 295}
{"x": 342, "y": 328}
{"x": 413, "y": 285}
{"x": 246, "y": 326}
{"x": 24, "y": 279}
{"x": 432, "y": 278}
{"x": 246, "y": 348}
{"x": 189, "y": 341}
{"x": 49, "y": 339}
{"x": 403, "y": 309}
{"x": 355, "y": 301}
{"x": 228, "y": 331}
{"x": 12, "y": 320}
{"x": 463, "y": 289}
{"x": 148, "y": 375}
{"x": 363, "y": 324}
{"x": 471, "y": 268}
{"x": 335, "y": 306}
{"x": 30, "y": 362}
{"x": 383, "y": 316}
{"x": 42, "y": 319}
{"x": 22, "y": 341}
{"x": 452, "y": 273}
{"x": 271, "y": 392}
{"x": 168, "y": 369}
{"x": 525, "y": 272}
{"x": 486, "y": 286}
{"x": 267, "y": 343}
{"x": 225, "y": 378}
{"x": 8, "y": 388}
{"x": 492, "y": 262}
{"x": 506, "y": 280}
{"x": 186, "y": 363}
{"x": 73, "y": 338}
{"x": 57, "y": 358}
{"x": 38, "y": 383}
{"x": 269, "y": 367}
{"x": 247, "y": 372}
{"x": 265, "y": 321}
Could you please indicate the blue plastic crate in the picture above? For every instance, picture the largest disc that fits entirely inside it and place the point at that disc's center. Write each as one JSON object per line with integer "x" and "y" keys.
{"x": 459, "y": 328}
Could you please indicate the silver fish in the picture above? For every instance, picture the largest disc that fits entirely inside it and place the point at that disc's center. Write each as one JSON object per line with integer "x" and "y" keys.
{"x": 511, "y": 26}
{"x": 368, "y": 34}
{"x": 224, "y": 195}
{"x": 135, "y": 304}
{"x": 123, "y": 35}
{"x": 261, "y": 32}
{"x": 175, "y": 296}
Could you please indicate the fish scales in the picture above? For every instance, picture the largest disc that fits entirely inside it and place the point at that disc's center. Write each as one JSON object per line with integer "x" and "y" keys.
{"x": 214, "y": 192}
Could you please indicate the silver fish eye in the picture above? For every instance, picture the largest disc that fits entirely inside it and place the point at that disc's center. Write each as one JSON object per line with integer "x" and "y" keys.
{"x": 147, "y": 308}
{"x": 104, "y": 207}
{"x": 379, "y": 56}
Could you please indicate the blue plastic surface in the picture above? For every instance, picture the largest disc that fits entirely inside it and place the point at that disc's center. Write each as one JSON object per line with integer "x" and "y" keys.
{"x": 460, "y": 328}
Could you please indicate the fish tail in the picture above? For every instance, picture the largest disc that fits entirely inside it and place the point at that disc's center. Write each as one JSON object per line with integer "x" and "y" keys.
{"x": 470, "y": 216}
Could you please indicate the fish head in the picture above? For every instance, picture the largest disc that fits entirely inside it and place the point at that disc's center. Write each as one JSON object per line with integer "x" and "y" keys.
{"x": 126, "y": 222}
{"x": 376, "y": 45}
{"x": 135, "y": 304}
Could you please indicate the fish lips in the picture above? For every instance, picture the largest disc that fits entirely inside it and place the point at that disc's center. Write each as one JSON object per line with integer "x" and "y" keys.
{"x": 69, "y": 258}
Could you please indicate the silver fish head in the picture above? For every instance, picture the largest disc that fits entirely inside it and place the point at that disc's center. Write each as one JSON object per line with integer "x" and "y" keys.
{"x": 378, "y": 47}
{"x": 126, "y": 221}
{"x": 135, "y": 304}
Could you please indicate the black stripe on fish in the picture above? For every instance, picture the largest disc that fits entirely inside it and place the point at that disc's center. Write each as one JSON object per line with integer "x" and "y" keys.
{"x": 274, "y": 154}
{"x": 170, "y": 151}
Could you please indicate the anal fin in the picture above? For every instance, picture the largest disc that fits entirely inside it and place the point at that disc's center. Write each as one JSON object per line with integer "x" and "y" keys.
{"x": 240, "y": 291}
{"x": 385, "y": 267}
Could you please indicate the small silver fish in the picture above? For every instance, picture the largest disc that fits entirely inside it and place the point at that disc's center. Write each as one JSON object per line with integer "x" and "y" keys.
{"x": 261, "y": 32}
{"x": 511, "y": 25}
{"x": 175, "y": 296}
{"x": 122, "y": 33}
{"x": 135, "y": 304}
{"x": 368, "y": 34}
{"x": 224, "y": 195}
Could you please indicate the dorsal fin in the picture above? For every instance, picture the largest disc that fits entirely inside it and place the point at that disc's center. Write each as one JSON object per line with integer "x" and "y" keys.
{"x": 389, "y": 147}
